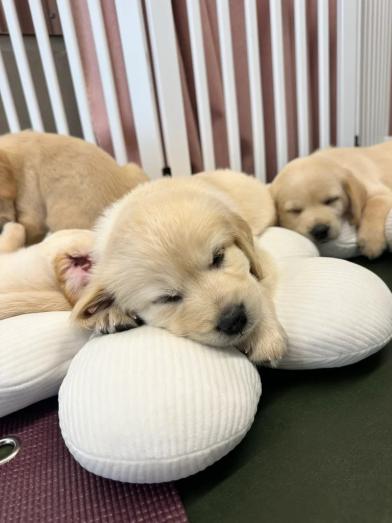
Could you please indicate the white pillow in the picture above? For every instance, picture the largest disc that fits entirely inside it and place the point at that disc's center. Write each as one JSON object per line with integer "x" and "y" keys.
{"x": 146, "y": 406}
{"x": 35, "y": 352}
{"x": 334, "y": 312}
{"x": 345, "y": 245}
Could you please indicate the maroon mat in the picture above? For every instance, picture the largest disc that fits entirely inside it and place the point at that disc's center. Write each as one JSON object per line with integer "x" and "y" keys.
{"x": 43, "y": 483}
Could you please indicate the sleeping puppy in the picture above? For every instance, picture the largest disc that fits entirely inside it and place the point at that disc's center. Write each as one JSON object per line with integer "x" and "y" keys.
{"x": 178, "y": 254}
{"x": 45, "y": 277}
{"x": 50, "y": 182}
{"x": 313, "y": 195}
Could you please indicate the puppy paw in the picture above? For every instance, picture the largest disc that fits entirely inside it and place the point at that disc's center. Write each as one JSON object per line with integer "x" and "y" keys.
{"x": 114, "y": 320}
{"x": 13, "y": 237}
{"x": 371, "y": 244}
{"x": 270, "y": 347}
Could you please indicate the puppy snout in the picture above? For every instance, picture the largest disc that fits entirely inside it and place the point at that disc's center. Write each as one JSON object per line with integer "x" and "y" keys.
{"x": 232, "y": 320}
{"x": 320, "y": 232}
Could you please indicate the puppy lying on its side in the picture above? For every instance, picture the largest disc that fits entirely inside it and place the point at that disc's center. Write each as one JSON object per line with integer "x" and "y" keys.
{"x": 53, "y": 182}
{"x": 179, "y": 254}
{"x": 45, "y": 277}
{"x": 315, "y": 194}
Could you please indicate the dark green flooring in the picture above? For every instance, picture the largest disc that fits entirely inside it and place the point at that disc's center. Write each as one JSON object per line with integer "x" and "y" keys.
{"x": 320, "y": 449}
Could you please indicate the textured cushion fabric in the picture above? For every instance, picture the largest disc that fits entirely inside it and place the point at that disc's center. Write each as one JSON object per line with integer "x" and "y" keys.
{"x": 35, "y": 352}
{"x": 146, "y": 406}
{"x": 284, "y": 243}
{"x": 334, "y": 312}
{"x": 345, "y": 245}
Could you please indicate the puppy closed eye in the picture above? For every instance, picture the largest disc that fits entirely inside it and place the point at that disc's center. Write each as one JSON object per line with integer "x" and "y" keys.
{"x": 331, "y": 200}
{"x": 296, "y": 210}
{"x": 217, "y": 259}
{"x": 168, "y": 298}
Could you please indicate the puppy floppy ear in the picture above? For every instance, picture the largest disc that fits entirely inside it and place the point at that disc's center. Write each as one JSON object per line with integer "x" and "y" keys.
{"x": 244, "y": 239}
{"x": 357, "y": 196}
{"x": 97, "y": 310}
{"x": 7, "y": 178}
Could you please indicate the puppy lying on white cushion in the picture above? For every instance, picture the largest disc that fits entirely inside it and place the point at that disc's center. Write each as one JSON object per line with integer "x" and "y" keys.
{"x": 179, "y": 254}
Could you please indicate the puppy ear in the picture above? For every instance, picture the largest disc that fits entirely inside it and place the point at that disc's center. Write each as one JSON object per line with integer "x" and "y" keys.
{"x": 93, "y": 301}
{"x": 7, "y": 178}
{"x": 244, "y": 239}
{"x": 356, "y": 194}
{"x": 96, "y": 310}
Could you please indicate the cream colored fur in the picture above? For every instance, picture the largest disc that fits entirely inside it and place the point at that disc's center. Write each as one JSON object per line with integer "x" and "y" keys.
{"x": 53, "y": 182}
{"x": 332, "y": 185}
{"x": 38, "y": 278}
{"x": 155, "y": 254}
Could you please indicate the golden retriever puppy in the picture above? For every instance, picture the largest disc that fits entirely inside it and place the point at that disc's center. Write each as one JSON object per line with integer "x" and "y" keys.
{"x": 179, "y": 255}
{"x": 315, "y": 194}
{"x": 48, "y": 276}
{"x": 50, "y": 182}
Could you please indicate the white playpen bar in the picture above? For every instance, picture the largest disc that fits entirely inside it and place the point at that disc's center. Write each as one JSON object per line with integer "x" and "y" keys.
{"x": 22, "y": 64}
{"x": 301, "y": 64}
{"x": 155, "y": 84}
{"x": 7, "y": 98}
{"x": 75, "y": 64}
{"x": 45, "y": 50}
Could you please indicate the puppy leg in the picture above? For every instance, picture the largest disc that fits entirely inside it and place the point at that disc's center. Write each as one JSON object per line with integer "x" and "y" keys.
{"x": 16, "y": 303}
{"x": 268, "y": 342}
{"x": 371, "y": 234}
{"x": 13, "y": 237}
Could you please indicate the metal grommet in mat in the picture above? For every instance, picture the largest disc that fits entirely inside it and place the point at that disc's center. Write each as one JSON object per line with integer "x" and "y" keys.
{"x": 9, "y": 447}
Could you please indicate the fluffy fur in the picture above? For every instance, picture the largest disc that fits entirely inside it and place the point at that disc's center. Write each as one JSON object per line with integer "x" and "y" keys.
{"x": 53, "y": 182}
{"x": 48, "y": 276}
{"x": 332, "y": 185}
{"x": 178, "y": 254}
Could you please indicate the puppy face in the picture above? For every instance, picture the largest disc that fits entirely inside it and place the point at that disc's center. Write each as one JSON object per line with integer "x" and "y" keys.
{"x": 178, "y": 258}
{"x": 8, "y": 191}
{"x": 313, "y": 196}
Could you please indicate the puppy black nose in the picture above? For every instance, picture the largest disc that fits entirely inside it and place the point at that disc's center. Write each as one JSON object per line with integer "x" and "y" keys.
{"x": 320, "y": 232}
{"x": 232, "y": 320}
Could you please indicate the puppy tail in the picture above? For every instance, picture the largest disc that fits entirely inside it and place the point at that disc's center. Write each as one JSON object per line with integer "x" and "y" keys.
{"x": 27, "y": 302}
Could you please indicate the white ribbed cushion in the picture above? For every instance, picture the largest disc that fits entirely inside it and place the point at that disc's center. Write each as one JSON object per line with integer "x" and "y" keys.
{"x": 35, "y": 352}
{"x": 146, "y": 406}
{"x": 284, "y": 243}
{"x": 345, "y": 245}
{"x": 334, "y": 312}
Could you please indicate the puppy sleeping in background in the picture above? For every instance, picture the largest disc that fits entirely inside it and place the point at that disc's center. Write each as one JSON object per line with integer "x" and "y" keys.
{"x": 50, "y": 182}
{"x": 179, "y": 254}
{"x": 315, "y": 194}
{"x": 45, "y": 277}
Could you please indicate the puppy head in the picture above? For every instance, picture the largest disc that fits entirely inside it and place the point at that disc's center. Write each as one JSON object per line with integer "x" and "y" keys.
{"x": 313, "y": 195}
{"x": 176, "y": 257}
{"x": 8, "y": 190}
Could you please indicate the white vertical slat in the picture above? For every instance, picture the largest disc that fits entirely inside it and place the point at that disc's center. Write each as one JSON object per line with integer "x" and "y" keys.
{"x": 106, "y": 73}
{"x": 200, "y": 75}
{"x": 256, "y": 99}
{"x": 7, "y": 98}
{"x": 229, "y": 90}
{"x": 48, "y": 65}
{"x": 167, "y": 74}
{"x": 22, "y": 64}
{"x": 323, "y": 73}
{"x": 279, "y": 82}
{"x": 348, "y": 49}
{"x": 75, "y": 64}
{"x": 140, "y": 85}
{"x": 301, "y": 65}
{"x": 388, "y": 67}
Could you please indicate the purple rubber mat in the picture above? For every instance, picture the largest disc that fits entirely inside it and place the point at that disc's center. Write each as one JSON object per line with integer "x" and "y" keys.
{"x": 43, "y": 483}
